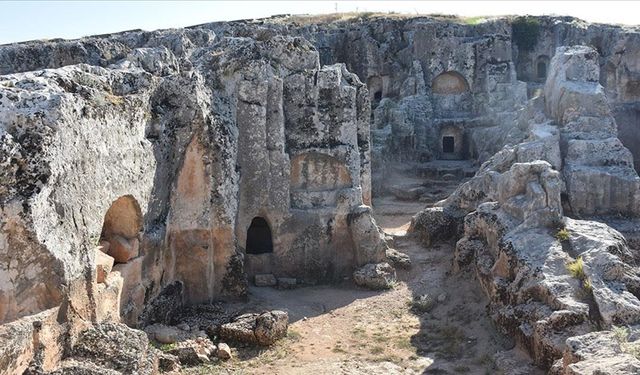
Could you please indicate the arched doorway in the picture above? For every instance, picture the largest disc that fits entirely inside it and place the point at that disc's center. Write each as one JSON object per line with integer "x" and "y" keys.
{"x": 542, "y": 66}
{"x": 449, "y": 83}
{"x": 259, "y": 240}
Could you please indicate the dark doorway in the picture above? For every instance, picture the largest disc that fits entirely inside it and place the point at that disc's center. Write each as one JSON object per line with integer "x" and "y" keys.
{"x": 542, "y": 70}
{"x": 448, "y": 144}
{"x": 259, "y": 237}
{"x": 377, "y": 97}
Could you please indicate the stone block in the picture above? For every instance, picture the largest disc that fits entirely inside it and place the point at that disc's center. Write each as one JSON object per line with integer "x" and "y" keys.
{"x": 104, "y": 264}
{"x": 123, "y": 249}
{"x": 265, "y": 280}
{"x": 287, "y": 282}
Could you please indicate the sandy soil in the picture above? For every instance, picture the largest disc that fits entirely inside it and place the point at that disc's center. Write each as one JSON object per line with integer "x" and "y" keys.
{"x": 343, "y": 329}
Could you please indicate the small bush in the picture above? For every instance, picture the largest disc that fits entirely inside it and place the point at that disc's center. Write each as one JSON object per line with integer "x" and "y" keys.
{"x": 620, "y": 334}
{"x": 525, "y": 32}
{"x": 423, "y": 303}
{"x": 563, "y": 235}
{"x": 576, "y": 269}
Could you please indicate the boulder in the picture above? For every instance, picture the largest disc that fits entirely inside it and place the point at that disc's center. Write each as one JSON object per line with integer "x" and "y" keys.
{"x": 271, "y": 326}
{"x": 287, "y": 282}
{"x": 115, "y": 347}
{"x": 434, "y": 224}
{"x": 123, "y": 249}
{"x": 257, "y": 329}
{"x": 375, "y": 276}
{"x": 411, "y": 193}
{"x": 224, "y": 351}
{"x": 168, "y": 334}
{"x": 398, "y": 259}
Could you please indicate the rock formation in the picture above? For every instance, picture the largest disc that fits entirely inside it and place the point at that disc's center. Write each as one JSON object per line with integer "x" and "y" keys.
{"x": 145, "y": 171}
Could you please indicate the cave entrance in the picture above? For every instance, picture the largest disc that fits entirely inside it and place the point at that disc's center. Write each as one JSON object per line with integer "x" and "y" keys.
{"x": 259, "y": 239}
{"x": 448, "y": 144}
{"x": 542, "y": 70}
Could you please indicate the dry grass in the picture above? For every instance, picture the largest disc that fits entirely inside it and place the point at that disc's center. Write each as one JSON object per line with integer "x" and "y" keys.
{"x": 576, "y": 269}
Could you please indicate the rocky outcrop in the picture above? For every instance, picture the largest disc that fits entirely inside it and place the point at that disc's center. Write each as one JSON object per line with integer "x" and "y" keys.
{"x": 257, "y": 329}
{"x": 548, "y": 287}
{"x": 376, "y": 276}
{"x": 593, "y": 155}
{"x": 112, "y": 349}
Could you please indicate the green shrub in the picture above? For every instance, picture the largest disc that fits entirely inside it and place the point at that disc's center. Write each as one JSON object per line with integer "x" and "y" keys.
{"x": 576, "y": 269}
{"x": 525, "y": 32}
{"x": 563, "y": 235}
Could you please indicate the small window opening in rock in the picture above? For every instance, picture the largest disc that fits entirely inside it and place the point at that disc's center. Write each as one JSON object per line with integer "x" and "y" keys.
{"x": 448, "y": 144}
{"x": 377, "y": 96}
{"x": 542, "y": 69}
{"x": 259, "y": 237}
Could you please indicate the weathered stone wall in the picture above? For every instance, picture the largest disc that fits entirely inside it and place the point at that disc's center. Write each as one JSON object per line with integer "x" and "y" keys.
{"x": 163, "y": 168}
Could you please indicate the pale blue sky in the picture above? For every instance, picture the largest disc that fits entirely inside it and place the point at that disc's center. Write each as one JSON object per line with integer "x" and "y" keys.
{"x": 28, "y": 20}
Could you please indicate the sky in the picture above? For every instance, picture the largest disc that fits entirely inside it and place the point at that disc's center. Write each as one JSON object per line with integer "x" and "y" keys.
{"x": 29, "y": 20}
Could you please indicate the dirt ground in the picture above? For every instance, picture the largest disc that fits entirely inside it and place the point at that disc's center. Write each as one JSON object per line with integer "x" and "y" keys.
{"x": 343, "y": 329}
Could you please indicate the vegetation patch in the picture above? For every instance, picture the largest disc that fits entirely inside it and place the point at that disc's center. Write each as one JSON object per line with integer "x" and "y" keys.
{"x": 563, "y": 235}
{"x": 576, "y": 269}
{"x": 621, "y": 335}
{"x": 525, "y": 31}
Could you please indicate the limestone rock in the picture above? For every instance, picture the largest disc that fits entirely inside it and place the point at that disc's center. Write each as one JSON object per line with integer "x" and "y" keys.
{"x": 194, "y": 352}
{"x": 287, "y": 282}
{"x": 265, "y": 280}
{"x": 398, "y": 259}
{"x": 165, "y": 306}
{"x": 123, "y": 249}
{"x": 116, "y": 347}
{"x": 169, "y": 334}
{"x": 104, "y": 264}
{"x": 257, "y": 329}
{"x": 601, "y": 353}
{"x": 224, "y": 351}
{"x": 271, "y": 326}
{"x": 434, "y": 224}
{"x": 375, "y": 276}
{"x": 168, "y": 363}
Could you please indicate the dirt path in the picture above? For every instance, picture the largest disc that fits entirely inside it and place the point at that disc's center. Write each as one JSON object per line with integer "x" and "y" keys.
{"x": 342, "y": 329}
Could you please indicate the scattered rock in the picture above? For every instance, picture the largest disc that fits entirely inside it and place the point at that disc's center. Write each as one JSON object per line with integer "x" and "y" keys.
{"x": 224, "y": 351}
{"x": 168, "y": 334}
{"x": 448, "y": 177}
{"x": 261, "y": 329}
{"x": 287, "y": 282}
{"x": 265, "y": 280}
{"x": 271, "y": 326}
{"x": 375, "y": 276}
{"x": 408, "y": 192}
{"x": 194, "y": 351}
{"x": 442, "y": 297}
{"x": 169, "y": 363}
{"x": 398, "y": 259}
